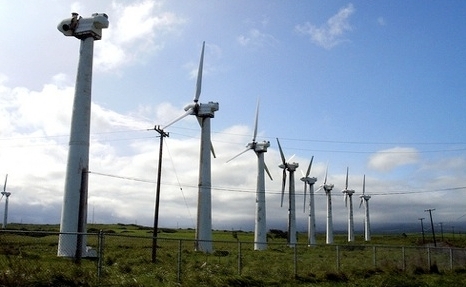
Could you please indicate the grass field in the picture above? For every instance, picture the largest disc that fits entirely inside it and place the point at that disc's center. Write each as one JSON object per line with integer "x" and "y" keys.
{"x": 28, "y": 258}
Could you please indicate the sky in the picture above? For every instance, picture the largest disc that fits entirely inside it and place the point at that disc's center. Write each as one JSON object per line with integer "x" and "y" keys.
{"x": 377, "y": 88}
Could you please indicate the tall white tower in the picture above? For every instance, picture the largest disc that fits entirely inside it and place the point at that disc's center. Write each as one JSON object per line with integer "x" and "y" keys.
{"x": 74, "y": 210}
{"x": 348, "y": 194}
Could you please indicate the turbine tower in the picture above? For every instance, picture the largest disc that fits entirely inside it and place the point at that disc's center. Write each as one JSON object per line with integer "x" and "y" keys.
{"x": 311, "y": 228}
{"x": 328, "y": 192}
{"x": 203, "y": 113}
{"x": 5, "y": 194}
{"x": 291, "y": 168}
{"x": 348, "y": 194}
{"x": 74, "y": 210}
{"x": 260, "y": 225}
{"x": 365, "y": 198}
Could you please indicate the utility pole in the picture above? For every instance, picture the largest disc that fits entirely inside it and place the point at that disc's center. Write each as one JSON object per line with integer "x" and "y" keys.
{"x": 432, "y": 224}
{"x": 157, "y": 195}
{"x": 422, "y": 230}
{"x": 441, "y": 229}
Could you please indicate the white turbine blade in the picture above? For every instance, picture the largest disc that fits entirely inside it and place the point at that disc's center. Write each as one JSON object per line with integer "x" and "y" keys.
{"x": 320, "y": 187}
{"x": 199, "y": 75}
{"x": 289, "y": 160}
{"x": 364, "y": 185}
{"x": 267, "y": 171}
{"x": 326, "y": 171}
{"x": 281, "y": 152}
{"x": 361, "y": 202}
{"x": 305, "y": 191}
{"x": 238, "y": 155}
{"x": 187, "y": 113}
{"x": 302, "y": 173}
{"x": 309, "y": 168}
{"x": 347, "y": 169}
{"x": 212, "y": 150}
{"x": 256, "y": 122}
{"x": 283, "y": 186}
{"x": 2, "y": 197}
{"x": 346, "y": 199}
{"x": 4, "y": 185}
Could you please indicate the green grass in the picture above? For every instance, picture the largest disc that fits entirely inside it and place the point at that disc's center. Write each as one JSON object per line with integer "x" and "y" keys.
{"x": 29, "y": 259}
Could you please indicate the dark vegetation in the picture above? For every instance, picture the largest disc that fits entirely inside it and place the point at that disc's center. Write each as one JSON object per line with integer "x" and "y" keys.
{"x": 28, "y": 258}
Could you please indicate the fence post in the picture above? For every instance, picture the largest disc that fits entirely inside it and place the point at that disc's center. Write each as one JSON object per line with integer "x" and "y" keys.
{"x": 428, "y": 258}
{"x": 338, "y": 258}
{"x": 403, "y": 258}
{"x": 374, "y": 256}
{"x": 295, "y": 261}
{"x": 239, "y": 258}
{"x": 178, "y": 272}
{"x": 100, "y": 251}
{"x": 451, "y": 259}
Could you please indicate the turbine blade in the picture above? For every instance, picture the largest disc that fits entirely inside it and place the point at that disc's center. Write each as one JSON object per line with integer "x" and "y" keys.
{"x": 320, "y": 187}
{"x": 346, "y": 199}
{"x": 364, "y": 185}
{"x": 2, "y": 197}
{"x": 305, "y": 191}
{"x": 268, "y": 172}
{"x": 326, "y": 172}
{"x": 281, "y": 152}
{"x": 283, "y": 186}
{"x": 238, "y": 155}
{"x": 289, "y": 160}
{"x": 256, "y": 122}
{"x": 309, "y": 168}
{"x": 4, "y": 185}
{"x": 361, "y": 202}
{"x": 187, "y": 113}
{"x": 347, "y": 169}
{"x": 212, "y": 150}
{"x": 199, "y": 75}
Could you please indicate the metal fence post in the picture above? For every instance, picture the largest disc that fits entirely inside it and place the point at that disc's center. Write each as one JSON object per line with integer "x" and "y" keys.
{"x": 403, "y": 258}
{"x": 178, "y": 275}
{"x": 239, "y": 258}
{"x": 100, "y": 253}
{"x": 338, "y": 258}
{"x": 428, "y": 258}
{"x": 295, "y": 260}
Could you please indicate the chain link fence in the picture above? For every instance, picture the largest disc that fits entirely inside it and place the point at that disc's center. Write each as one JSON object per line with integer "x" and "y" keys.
{"x": 28, "y": 255}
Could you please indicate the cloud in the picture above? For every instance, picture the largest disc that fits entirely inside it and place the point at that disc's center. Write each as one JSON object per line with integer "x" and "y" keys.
{"x": 389, "y": 159}
{"x": 331, "y": 33}
{"x": 256, "y": 38}
{"x": 133, "y": 32}
{"x": 381, "y": 21}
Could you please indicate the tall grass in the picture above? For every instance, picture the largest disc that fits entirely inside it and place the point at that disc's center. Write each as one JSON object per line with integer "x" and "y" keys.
{"x": 29, "y": 259}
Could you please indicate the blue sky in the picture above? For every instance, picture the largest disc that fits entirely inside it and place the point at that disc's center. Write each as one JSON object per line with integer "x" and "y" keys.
{"x": 377, "y": 87}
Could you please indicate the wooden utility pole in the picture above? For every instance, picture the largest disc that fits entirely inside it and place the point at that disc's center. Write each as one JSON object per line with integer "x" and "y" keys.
{"x": 432, "y": 224}
{"x": 157, "y": 195}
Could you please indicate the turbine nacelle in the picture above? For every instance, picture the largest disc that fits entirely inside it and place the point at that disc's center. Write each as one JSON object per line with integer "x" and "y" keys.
{"x": 259, "y": 147}
{"x": 328, "y": 187}
{"x": 309, "y": 180}
{"x": 290, "y": 166}
{"x": 84, "y": 27}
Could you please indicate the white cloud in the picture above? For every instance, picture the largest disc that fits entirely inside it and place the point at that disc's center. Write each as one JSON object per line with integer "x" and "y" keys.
{"x": 389, "y": 159}
{"x": 381, "y": 21}
{"x": 256, "y": 38}
{"x": 134, "y": 32}
{"x": 331, "y": 33}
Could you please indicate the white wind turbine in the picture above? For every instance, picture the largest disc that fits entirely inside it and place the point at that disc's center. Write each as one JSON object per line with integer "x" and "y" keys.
{"x": 203, "y": 113}
{"x": 365, "y": 198}
{"x": 348, "y": 193}
{"x": 328, "y": 192}
{"x": 291, "y": 168}
{"x": 260, "y": 226}
{"x": 5, "y": 194}
{"x": 311, "y": 228}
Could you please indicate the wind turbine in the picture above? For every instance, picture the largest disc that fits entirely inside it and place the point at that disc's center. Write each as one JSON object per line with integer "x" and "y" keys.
{"x": 348, "y": 194}
{"x": 260, "y": 226}
{"x": 203, "y": 113}
{"x": 291, "y": 168}
{"x": 365, "y": 198}
{"x": 328, "y": 192}
{"x": 7, "y": 196}
{"x": 311, "y": 229}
